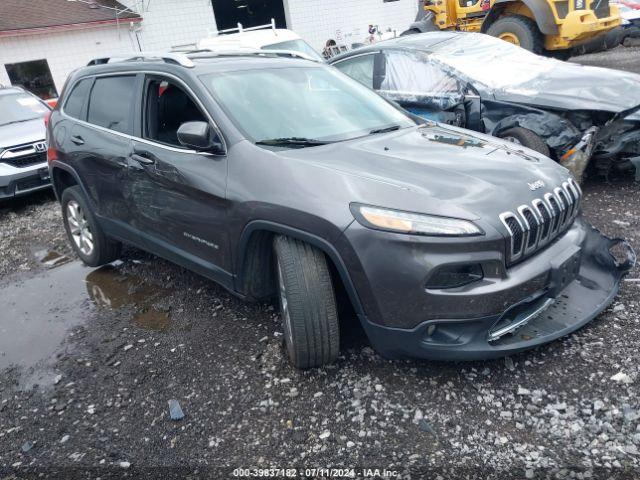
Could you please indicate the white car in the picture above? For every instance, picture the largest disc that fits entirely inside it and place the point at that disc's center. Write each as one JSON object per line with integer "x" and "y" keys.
{"x": 264, "y": 37}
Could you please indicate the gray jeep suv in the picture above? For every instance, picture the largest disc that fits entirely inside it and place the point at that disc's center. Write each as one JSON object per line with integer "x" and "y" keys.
{"x": 278, "y": 176}
{"x": 23, "y": 151}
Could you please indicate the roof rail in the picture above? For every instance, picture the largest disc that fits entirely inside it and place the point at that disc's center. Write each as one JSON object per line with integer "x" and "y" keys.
{"x": 242, "y": 51}
{"x": 167, "y": 57}
{"x": 241, "y": 29}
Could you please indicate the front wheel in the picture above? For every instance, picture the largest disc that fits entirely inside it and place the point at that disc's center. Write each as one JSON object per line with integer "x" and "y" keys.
{"x": 527, "y": 138}
{"x": 307, "y": 304}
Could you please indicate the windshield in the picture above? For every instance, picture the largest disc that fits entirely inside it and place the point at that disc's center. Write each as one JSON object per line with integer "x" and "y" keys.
{"x": 495, "y": 63}
{"x": 316, "y": 103}
{"x": 295, "y": 46}
{"x": 20, "y": 107}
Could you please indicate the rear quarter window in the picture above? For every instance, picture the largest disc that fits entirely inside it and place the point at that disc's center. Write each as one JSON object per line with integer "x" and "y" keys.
{"x": 75, "y": 101}
{"x": 111, "y": 103}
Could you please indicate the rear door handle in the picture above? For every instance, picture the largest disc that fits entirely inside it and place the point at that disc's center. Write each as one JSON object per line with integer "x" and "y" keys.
{"x": 77, "y": 139}
{"x": 142, "y": 160}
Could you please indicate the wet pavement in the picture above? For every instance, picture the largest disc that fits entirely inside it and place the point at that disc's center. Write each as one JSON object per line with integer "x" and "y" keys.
{"x": 39, "y": 311}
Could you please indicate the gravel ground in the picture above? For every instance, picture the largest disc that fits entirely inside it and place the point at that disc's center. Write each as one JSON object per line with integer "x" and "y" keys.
{"x": 622, "y": 58}
{"x": 147, "y": 332}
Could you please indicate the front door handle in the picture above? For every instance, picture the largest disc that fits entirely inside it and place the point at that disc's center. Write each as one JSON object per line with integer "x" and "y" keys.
{"x": 142, "y": 160}
{"x": 77, "y": 139}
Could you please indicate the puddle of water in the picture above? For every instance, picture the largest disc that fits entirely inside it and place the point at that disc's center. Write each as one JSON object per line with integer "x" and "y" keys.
{"x": 51, "y": 258}
{"x": 108, "y": 287}
{"x": 38, "y": 312}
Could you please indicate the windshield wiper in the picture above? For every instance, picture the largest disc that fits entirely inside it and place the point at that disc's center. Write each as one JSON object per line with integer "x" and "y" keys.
{"x": 292, "y": 141}
{"x": 384, "y": 129}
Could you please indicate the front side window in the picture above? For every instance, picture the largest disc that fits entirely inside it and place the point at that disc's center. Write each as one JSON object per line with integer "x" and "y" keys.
{"x": 20, "y": 107}
{"x": 359, "y": 68}
{"x": 167, "y": 107}
{"x": 111, "y": 103}
{"x": 75, "y": 101}
{"x": 315, "y": 102}
{"x": 410, "y": 73}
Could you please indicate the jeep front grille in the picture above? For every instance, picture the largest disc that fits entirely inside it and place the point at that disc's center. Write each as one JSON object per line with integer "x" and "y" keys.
{"x": 532, "y": 226}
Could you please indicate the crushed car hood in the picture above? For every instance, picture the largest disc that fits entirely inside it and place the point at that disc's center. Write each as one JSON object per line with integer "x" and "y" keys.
{"x": 577, "y": 87}
{"x": 20, "y": 133}
{"x": 450, "y": 170}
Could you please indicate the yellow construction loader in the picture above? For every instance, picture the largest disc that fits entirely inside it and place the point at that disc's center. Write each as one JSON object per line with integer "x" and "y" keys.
{"x": 554, "y": 26}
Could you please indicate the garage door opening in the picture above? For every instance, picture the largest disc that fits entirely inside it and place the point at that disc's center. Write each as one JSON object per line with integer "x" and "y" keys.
{"x": 34, "y": 76}
{"x": 250, "y": 13}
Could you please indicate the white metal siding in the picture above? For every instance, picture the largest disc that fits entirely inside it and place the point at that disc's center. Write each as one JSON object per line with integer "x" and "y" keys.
{"x": 346, "y": 21}
{"x": 166, "y": 23}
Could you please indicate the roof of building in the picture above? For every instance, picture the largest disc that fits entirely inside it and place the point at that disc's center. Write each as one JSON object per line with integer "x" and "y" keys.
{"x": 20, "y": 17}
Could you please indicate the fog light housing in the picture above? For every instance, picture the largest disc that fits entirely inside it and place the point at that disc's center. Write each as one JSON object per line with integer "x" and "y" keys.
{"x": 452, "y": 276}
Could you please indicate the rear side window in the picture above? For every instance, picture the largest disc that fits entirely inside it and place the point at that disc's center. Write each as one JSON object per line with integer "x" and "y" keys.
{"x": 111, "y": 102}
{"x": 75, "y": 101}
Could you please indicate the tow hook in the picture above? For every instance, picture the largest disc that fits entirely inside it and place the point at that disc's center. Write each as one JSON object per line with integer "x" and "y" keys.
{"x": 576, "y": 159}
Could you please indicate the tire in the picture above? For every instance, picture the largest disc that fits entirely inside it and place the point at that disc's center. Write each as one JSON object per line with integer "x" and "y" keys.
{"x": 307, "y": 304}
{"x": 521, "y": 28}
{"x": 527, "y": 138}
{"x": 81, "y": 225}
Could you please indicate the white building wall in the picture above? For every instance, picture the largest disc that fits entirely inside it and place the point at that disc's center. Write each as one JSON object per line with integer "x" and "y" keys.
{"x": 166, "y": 23}
{"x": 171, "y": 23}
{"x": 346, "y": 21}
{"x": 64, "y": 51}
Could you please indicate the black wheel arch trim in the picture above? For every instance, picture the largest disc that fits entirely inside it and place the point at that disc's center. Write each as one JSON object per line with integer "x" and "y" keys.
{"x": 322, "y": 244}
{"x": 541, "y": 11}
{"x": 70, "y": 170}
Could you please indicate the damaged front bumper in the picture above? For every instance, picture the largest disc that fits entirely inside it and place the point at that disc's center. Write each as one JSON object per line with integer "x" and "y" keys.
{"x": 582, "y": 281}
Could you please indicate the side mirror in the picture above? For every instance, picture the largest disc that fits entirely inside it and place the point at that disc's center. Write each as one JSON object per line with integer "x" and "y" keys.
{"x": 199, "y": 136}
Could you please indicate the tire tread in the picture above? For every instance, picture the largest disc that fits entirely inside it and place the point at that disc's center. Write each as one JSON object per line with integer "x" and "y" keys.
{"x": 311, "y": 300}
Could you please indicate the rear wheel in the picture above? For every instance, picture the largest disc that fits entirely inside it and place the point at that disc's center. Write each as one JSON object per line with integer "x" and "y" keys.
{"x": 85, "y": 234}
{"x": 518, "y": 30}
{"x": 307, "y": 304}
{"x": 527, "y": 138}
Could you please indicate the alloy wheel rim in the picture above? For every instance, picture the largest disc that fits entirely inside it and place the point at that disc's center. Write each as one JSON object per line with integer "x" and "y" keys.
{"x": 284, "y": 305}
{"x": 79, "y": 228}
{"x": 510, "y": 37}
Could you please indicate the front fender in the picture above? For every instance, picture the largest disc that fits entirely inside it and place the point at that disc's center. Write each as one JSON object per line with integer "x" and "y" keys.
{"x": 328, "y": 248}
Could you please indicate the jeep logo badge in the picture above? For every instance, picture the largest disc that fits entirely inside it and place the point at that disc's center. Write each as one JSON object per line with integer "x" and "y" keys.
{"x": 40, "y": 147}
{"x": 535, "y": 185}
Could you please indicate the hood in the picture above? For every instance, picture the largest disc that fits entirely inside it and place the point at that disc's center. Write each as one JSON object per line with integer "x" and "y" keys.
{"x": 21, "y": 133}
{"x": 577, "y": 87}
{"x": 439, "y": 170}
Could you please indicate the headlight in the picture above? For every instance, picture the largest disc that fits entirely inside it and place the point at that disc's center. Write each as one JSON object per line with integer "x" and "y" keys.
{"x": 414, "y": 223}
